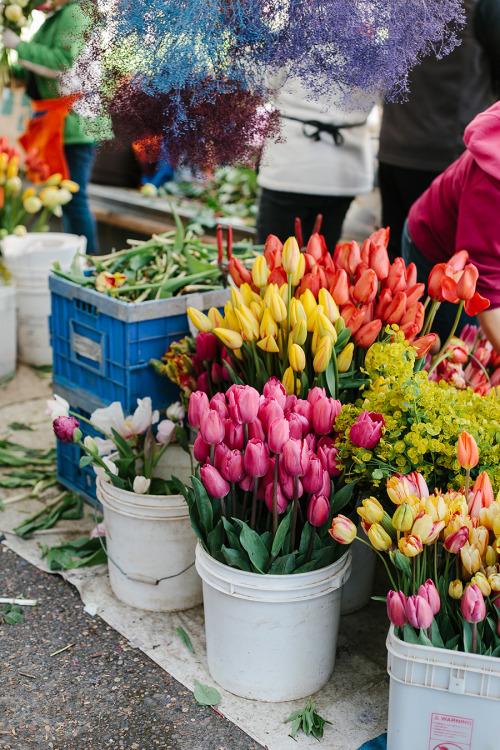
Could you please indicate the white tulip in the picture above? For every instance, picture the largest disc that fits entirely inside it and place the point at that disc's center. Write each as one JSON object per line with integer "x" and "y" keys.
{"x": 176, "y": 412}
{"x": 57, "y": 407}
{"x": 165, "y": 431}
{"x": 141, "y": 485}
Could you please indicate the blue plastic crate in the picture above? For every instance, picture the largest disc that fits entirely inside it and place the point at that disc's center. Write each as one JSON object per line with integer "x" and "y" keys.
{"x": 68, "y": 471}
{"x": 103, "y": 346}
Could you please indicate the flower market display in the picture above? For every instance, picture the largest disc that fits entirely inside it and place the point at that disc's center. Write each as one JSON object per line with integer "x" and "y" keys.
{"x": 15, "y": 17}
{"x": 29, "y": 194}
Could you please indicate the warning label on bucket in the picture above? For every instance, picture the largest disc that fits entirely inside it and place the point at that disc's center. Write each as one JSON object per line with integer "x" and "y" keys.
{"x": 450, "y": 732}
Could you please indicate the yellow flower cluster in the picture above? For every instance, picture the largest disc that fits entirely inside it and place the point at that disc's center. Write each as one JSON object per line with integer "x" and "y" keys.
{"x": 271, "y": 332}
{"x": 420, "y": 521}
{"x": 17, "y": 206}
{"x": 423, "y": 420}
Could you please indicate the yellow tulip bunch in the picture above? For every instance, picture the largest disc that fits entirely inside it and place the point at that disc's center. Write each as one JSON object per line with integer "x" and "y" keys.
{"x": 18, "y": 206}
{"x": 270, "y": 332}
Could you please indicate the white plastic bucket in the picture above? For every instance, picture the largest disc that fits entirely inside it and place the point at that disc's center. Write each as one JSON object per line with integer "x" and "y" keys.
{"x": 441, "y": 699}
{"x": 358, "y": 590}
{"x": 8, "y": 331}
{"x": 150, "y": 538}
{"x": 271, "y": 637}
{"x": 29, "y": 260}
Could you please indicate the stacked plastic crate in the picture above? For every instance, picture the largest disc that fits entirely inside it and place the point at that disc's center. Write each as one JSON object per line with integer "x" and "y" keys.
{"x": 102, "y": 349}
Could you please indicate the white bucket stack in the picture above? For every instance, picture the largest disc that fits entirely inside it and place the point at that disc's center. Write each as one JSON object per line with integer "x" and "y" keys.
{"x": 29, "y": 260}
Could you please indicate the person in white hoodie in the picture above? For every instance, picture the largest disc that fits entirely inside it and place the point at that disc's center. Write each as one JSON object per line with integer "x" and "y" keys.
{"x": 321, "y": 162}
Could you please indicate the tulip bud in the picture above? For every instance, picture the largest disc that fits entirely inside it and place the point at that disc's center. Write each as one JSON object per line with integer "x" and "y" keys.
{"x": 141, "y": 485}
{"x": 403, "y": 517}
{"x": 329, "y": 305}
{"x": 212, "y": 428}
{"x": 66, "y": 429}
{"x": 298, "y": 274}
{"x": 289, "y": 381}
{"x": 256, "y": 458}
{"x": 430, "y": 593}
{"x": 318, "y": 510}
{"x": 419, "y": 612}
{"x": 278, "y": 434}
{"x": 323, "y": 355}
{"x": 214, "y": 483}
{"x": 290, "y": 256}
{"x": 201, "y": 321}
{"x": 91, "y": 446}
{"x": 201, "y": 450}
{"x": 231, "y": 339}
{"x": 231, "y": 467}
{"x": 299, "y": 333}
{"x": 343, "y": 530}
{"x": 456, "y": 589}
{"x": 379, "y": 538}
{"x": 281, "y": 500}
{"x": 295, "y": 457}
{"x": 312, "y": 480}
{"x": 467, "y": 451}
{"x": 410, "y": 546}
{"x": 455, "y": 541}
{"x": 244, "y": 403}
{"x": 260, "y": 271}
{"x": 324, "y": 414}
{"x": 371, "y": 510}
{"x": 472, "y": 604}
{"x": 480, "y": 580}
{"x": 471, "y": 559}
{"x": 297, "y": 358}
{"x": 344, "y": 359}
{"x": 367, "y": 430}
{"x": 396, "y": 608}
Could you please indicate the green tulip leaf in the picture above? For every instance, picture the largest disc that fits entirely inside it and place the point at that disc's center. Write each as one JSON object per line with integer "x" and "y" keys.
{"x": 253, "y": 544}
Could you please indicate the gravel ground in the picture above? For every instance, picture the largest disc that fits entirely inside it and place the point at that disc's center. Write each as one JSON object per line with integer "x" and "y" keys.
{"x": 100, "y": 693}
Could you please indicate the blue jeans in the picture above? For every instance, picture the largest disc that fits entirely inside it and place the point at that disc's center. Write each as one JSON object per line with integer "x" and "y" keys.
{"x": 445, "y": 316}
{"x": 77, "y": 216}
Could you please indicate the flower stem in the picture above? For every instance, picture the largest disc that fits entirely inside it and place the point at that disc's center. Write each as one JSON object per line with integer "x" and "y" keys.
{"x": 295, "y": 509}
{"x": 254, "y": 503}
{"x": 474, "y": 637}
{"x": 442, "y": 353}
{"x": 275, "y": 495}
{"x": 311, "y": 544}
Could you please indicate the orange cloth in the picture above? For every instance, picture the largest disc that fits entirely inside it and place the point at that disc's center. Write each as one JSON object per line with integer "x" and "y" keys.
{"x": 45, "y": 132}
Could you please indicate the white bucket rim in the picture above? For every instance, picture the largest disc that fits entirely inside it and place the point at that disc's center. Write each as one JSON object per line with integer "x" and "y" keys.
{"x": 122, "y": 502}
{"x": 248, "y": 585}
{"x": 429, "y": 655}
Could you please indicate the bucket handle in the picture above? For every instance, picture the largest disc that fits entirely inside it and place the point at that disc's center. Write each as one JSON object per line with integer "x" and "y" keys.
{"x": 139, "y": 577}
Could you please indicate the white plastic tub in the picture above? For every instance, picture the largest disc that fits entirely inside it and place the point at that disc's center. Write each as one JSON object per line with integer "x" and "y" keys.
{"x": 8, "y": 331}
{"x": 150, "y": 542}
{"x": 271, "y": 637}
{"x": 441, "y": 699}
{"x": 29, "y": 260}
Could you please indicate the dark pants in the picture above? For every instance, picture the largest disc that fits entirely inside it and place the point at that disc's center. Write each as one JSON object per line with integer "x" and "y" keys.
{"x": 277, "y": 212}
{"x": 77, "y": 216}
{"x": 399, "y": 189}
{"x": 446, "y": 314}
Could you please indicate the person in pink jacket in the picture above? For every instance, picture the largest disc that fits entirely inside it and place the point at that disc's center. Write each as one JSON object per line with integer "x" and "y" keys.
{"x": 461, "y": 211}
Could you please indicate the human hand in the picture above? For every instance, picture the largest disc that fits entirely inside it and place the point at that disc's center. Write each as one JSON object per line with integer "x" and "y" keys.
{"x": 10, "y": 40}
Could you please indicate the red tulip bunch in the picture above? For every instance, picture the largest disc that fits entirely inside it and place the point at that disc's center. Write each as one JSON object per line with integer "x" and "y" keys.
{"x": 267, "y": 466}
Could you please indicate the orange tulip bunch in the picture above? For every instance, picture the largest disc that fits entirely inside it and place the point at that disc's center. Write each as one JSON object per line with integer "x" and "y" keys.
{"x": 445, "y": 550}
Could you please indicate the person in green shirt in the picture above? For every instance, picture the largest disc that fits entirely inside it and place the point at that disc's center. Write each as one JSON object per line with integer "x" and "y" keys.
{"x": 61, "y": 69}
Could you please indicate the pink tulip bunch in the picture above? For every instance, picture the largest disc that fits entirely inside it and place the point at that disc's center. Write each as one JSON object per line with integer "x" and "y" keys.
{"x": 418, "y": 609}
{"x": 261, "y": 454}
